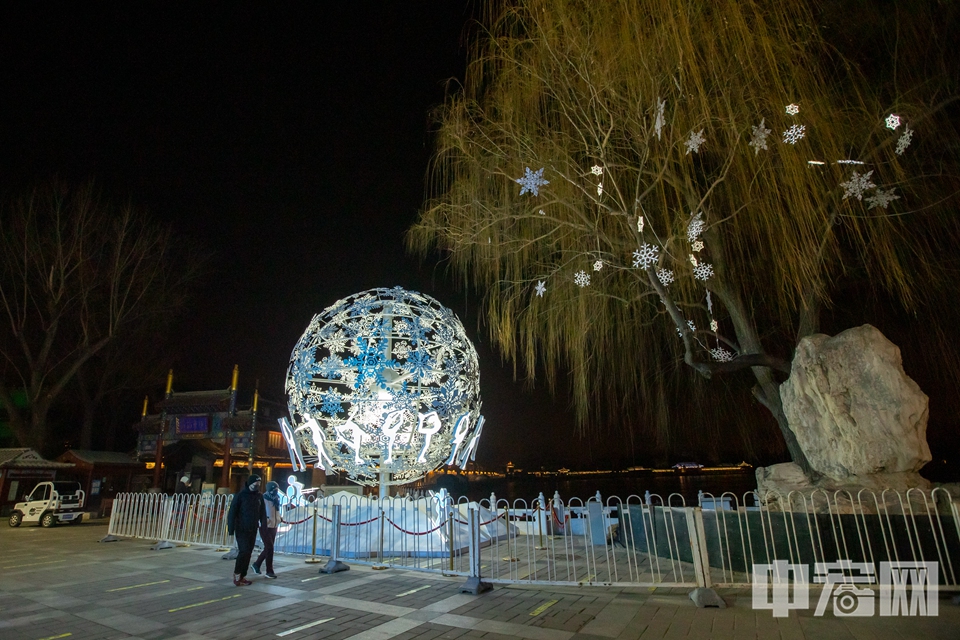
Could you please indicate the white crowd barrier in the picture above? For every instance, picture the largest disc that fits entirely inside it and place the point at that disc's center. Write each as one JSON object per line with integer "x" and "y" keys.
{"x": 637, "y": 541}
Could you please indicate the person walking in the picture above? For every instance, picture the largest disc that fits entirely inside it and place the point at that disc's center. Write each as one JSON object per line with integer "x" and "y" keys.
{"x": 246, "y": 513}
{"x": 268, "y": 531}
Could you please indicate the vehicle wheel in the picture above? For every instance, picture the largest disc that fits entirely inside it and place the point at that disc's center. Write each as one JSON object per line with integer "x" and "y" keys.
{"x": 15, "y": 519}
{"x": 78, "y": 520}
{"x": 48, "y": 520}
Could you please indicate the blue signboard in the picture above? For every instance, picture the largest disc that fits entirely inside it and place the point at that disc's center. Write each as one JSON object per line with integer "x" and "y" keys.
{"x": 193, "y": 425}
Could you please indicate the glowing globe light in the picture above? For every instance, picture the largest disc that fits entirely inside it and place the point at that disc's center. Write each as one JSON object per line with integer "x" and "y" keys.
{"x": 385, "y": 385}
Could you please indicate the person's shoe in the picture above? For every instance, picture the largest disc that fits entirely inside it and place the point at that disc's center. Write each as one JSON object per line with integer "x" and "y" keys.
{"x": 256, "y": 568}
{"x": 272, "y": 575}
{"x": 242, "y": 582}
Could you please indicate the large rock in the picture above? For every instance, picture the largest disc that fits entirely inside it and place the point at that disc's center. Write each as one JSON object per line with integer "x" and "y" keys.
{"x": 853, "y": 409}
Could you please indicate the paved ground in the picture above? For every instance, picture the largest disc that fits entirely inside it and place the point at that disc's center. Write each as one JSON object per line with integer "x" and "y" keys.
{"x": 60, "y": 583}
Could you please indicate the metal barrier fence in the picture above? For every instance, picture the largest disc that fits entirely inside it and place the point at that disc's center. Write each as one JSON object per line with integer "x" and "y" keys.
{"x": 182, "y": 518}
{"x": 638, "y": 541}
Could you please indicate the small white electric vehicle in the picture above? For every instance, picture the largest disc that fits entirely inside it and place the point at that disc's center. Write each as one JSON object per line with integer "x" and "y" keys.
{"x": 50, "y": 503}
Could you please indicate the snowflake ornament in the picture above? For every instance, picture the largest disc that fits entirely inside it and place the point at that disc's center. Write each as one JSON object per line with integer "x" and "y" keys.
{"x": 721, "y": 355}
{"x": 703, "y": 271}
{"x": 857, "y": 185}
{"x": 660, "y": 121}
{"x": 697, "y": 246}
{"x": 759, "y": 139}
{"x": 646, "y": 255}
{"x": 581, "y": 279}
{"x": 794, "y": 134}
{"x": 893, "y": 121}
{"x": 541, "y": 288}
{"x": 596, "y": 170}
{"x": 640, "y": 224}
{"x": 542, "y": 212}
{"x": 531, "y": 181}
{"x": 714, "y": 325}
{"x": 695, "y": 227}
{"x": 904, "y": 140}
{"x": 598, "y": 265}
{"x": 693, "y": 259}
{"x": 694, "y": 142}
{"x": 690, "y": 325}
{"x": 665, "y": 276}
{"x": 881, "y": 198}
{"x": 792, "y": 109}
{"x": 600, "y": 189}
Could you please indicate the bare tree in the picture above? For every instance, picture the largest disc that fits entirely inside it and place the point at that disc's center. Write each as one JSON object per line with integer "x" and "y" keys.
{"x": 75, "y": 274}
{"x": 694, "y": 180}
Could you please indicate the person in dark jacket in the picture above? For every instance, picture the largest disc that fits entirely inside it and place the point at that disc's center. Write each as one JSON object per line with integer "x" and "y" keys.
{"x": 246, "y": 514}
{"x": 268, "y": 533}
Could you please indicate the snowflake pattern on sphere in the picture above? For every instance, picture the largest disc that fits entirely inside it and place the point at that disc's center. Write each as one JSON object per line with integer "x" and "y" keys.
{"x": 904, "y": 140}
{"x": 665, "y": 276}
{"x": 598, "y": 265}
{"x": 721, "y": 355}
{"x": 881, "y": 198}
{"x": 646, "y": 255}
{"x": 581, "y": 279}
{"x": 596, "y": 170}
{"x": 695, "y": 227}
{"x": 792, "y": 109}
{"x": 794, "y": 134}
{"x": 531, "y": 181}
{"x": 365, "y": 372}
{"x": 541, "y": 288}
{"x": 703, "y": 271}
{"x": 893, "y": 121}
{"x": 694, "y": 142}
{"x": 759, "y": 139}
{"x": 857, "y": 185}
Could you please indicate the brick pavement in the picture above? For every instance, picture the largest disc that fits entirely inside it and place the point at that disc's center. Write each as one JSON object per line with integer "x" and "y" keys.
{"x": 59, "y": 584}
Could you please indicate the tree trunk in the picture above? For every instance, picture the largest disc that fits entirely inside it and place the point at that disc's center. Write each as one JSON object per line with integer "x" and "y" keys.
{"x": 767, "y": 392}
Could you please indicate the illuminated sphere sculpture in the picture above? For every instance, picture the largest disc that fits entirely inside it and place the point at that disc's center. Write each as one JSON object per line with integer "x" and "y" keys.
{"x": 385, "y": 382}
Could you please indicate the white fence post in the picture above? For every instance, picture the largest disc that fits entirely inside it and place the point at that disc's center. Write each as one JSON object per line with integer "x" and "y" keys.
{"x": 703, "y": 595}
{"x": 474, "y": 584}
{"x": 162, "y": 542}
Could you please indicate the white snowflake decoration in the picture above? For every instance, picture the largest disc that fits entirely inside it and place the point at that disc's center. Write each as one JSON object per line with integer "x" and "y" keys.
{"x": 695, "y": 227}
{"x": 660, "y": 121}
{"x": 703, "y": 271}
{"x": 698, "y": 246}
{"x": 665, "y": 276}
{"x": 542, "y": 212}
{"x": 596, "y": 170}
{"x": 793, "y": 109}
{"x": 857, "y": 185}
{"x": 531, "y": 181}
{"x": 646, "y": 255}
{"x": 904, "y": 140}
{"x": 721, "y": 355}
{"x": 385, "y": 381}
{"x": 581, "y": 279}
{"x": 598, "y": 265}
{"x": 541, "y": 288}
{"x": 759, "y": 139}
{"x": 693, "y": 259}
{"x": 881, "y": 198}
{"x": 600, "y": 189}
{"x": 714, "y": 325}
{"x": 690, "y": 325}
{"x": 639, "y": 224}
{"x": 694, "y": 142}
{"x": 893, "y": 121}
{"x": 794, "y": 134}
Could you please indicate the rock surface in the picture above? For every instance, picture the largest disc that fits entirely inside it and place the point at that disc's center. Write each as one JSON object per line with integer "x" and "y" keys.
{"x": 855, "y": 411}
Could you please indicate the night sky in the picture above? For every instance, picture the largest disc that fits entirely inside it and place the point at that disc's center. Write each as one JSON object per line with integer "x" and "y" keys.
{"x": 292, "y": 141}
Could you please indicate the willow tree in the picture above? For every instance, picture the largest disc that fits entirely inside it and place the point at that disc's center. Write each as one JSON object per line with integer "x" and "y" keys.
{"x": 637, "y": 183}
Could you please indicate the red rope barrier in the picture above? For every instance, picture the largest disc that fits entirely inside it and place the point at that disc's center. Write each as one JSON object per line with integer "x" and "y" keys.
{"x": 357, "y": 524}
{"x": 297, "y": 522}
{"x": 414, "y": 533}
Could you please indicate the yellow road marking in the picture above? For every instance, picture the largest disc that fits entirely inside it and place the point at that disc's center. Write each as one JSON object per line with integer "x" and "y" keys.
{"x": 200, "y": 604}
{"x": 137, "y": 586}
{"x": 62, "y": 635}
{"x": 543, "y": 607}
{"x": 32, "y": 564}
{"x": 194, "y": 588}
